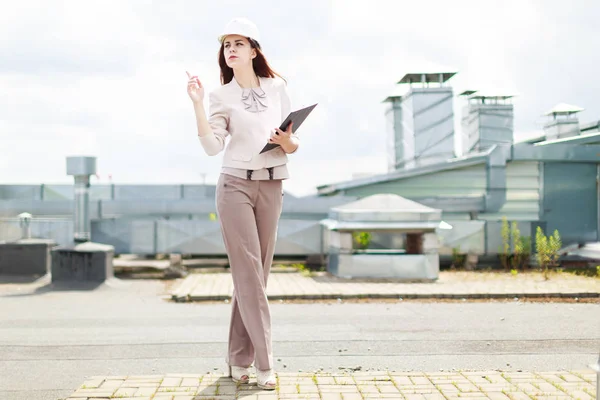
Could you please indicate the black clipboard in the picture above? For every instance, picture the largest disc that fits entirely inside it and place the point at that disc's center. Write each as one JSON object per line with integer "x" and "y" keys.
{"x": 297, "y": 117}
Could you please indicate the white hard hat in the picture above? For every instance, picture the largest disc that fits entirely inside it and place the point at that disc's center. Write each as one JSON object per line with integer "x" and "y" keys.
{"x": 240, "y": 26}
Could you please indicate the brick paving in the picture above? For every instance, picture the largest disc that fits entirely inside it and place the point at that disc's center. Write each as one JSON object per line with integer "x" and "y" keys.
{"x": 455, "y": 385}
{"x": 451, "y": 284}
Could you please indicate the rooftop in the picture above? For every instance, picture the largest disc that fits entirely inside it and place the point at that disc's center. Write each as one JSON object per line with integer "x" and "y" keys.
{"x": 427, "y": 77}
{"x": 564, "y": 108}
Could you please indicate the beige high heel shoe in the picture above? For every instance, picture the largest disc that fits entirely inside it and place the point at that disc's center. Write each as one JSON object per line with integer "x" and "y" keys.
{"x": 239, "y": 374}
{"x": 266, "y": 379}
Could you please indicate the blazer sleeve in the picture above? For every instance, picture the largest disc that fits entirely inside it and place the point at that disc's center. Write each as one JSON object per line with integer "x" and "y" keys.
{"x": 286, "y": 105}
{"x": 218, "y": 119}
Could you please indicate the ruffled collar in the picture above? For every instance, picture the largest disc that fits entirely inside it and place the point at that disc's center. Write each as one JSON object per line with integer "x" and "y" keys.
{"x": 254, "y": 99}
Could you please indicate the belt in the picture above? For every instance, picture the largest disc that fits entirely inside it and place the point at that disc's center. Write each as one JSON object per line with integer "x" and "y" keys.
{"x": 249, "y": 173}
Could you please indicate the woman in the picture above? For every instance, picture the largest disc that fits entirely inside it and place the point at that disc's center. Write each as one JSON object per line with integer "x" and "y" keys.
{"x": 248, "y": 107}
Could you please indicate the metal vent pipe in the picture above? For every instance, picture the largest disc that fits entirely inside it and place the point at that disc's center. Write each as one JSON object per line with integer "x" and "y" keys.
{"x": 81, "y": 168}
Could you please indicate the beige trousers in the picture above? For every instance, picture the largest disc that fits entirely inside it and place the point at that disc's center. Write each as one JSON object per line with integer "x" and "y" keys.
{"x": 249, "y": 213}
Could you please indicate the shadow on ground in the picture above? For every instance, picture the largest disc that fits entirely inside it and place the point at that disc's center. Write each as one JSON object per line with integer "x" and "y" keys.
{"x": 38, "y": 285}
{"x": 224, "y": 386}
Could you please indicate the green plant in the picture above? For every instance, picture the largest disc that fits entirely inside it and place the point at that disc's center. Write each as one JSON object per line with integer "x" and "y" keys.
{"x": 302, "y": 268}
{"x": 521, "y": 247}
{"x": 547, "y": 249}
{"x": 505, "y": 251}
{"x": 541, "y": 244}
{"x": 515, "y": 251}
{"x": 515, "y": 236}
{"x": 458, "y": 259}
{"x": 555, "y": 245}
{"x": 525, "y": 250}
{"x": 362, "y": 239}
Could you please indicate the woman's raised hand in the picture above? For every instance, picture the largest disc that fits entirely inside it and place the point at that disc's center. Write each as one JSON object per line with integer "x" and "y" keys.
{"x": 194, "y": 88}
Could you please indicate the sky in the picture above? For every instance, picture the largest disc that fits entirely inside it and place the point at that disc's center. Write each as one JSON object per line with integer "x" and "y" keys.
{"x": 107, "y": 78}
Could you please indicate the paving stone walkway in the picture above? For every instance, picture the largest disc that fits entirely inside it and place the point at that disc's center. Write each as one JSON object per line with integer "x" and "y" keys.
{"x": 474, "y": 385}
{"x": 451, "y": 284}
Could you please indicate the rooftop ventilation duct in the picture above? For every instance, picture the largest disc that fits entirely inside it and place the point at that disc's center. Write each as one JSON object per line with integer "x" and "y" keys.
{"x": 421, "y": 121}
{"x": 563, "y": 123}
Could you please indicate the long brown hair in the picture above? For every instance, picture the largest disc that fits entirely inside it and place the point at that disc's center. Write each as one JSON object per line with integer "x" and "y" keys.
{"x": 259, "y": 64}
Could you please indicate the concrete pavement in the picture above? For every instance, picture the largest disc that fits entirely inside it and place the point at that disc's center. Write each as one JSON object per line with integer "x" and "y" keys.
{"x": 53, "y": 339}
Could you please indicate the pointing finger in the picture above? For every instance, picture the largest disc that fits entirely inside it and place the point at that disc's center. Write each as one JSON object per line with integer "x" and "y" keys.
{"x": 188, "y": 74}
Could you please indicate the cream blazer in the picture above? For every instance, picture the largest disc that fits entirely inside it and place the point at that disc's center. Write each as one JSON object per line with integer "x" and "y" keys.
{"x": 248, "y": 131}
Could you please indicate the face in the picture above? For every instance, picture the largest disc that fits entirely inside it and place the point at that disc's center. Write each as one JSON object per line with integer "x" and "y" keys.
{"x": 237, "y": 51}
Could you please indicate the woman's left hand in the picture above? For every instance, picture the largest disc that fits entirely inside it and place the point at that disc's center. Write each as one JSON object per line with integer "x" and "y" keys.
{"x": 287, "y": 140}
{"x": 283, "y": 137}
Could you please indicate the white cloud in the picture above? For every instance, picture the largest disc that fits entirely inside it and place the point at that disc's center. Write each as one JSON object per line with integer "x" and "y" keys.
{"x": 108, "y": 78}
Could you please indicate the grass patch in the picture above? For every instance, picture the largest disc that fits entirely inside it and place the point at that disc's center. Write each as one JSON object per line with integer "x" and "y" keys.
{"x": 577, "y": 374}
{"x": 558, "y": 386}
{"x": 507, "y": 378}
